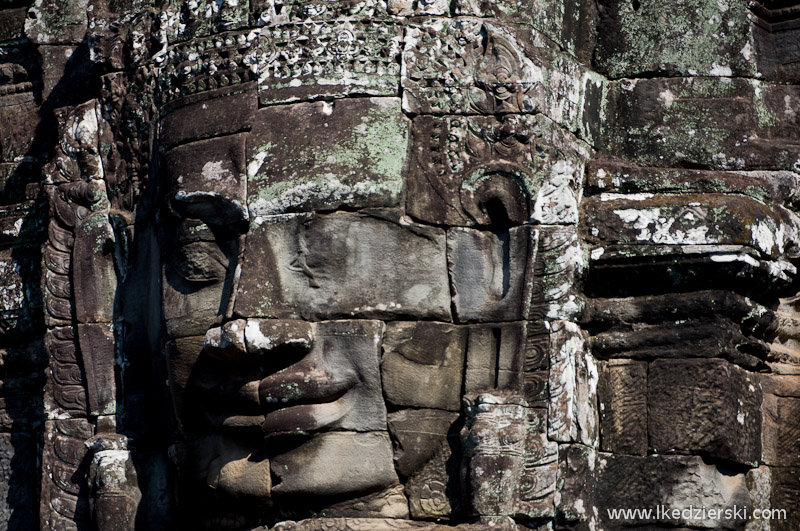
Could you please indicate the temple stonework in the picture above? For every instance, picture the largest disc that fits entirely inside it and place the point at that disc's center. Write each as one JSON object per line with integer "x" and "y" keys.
{"x": 399, "y": 264}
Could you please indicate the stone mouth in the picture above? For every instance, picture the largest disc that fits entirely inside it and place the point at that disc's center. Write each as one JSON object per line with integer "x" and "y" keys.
{"x": 303, "y": 419}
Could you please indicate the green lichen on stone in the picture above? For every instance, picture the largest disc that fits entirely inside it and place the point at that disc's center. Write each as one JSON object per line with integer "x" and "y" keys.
{"x": 687, "y": 37}
{"x": 362, "y": 166}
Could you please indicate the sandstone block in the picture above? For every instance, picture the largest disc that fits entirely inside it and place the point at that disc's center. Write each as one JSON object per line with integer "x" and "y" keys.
{"x": 327, "y": 155}
{"x": 576, "y": 484}
{"x": 20, "y": 114}
{"x": 491, "y": 272}
{"x": 344, "y": 265}
{"x": 701, "y": 38}
{"x": 572, "y": 412}
{"x": 495, "y": 360}
{"x": 335, "y": 386}
{"x": 704, "y": 405}
{"x": 673, "y": 482}
{"x": 57, "y": 22}
{"x": 785, "y": 495}
{"x": 419, "y": 434}
{"x": 622, "y": 398}
{"x": 215, "y": 112}
{"x": 700, "y": 123}
{"x": 363, "y": 463}
{"x": 207, "y": 179}
{"x": 423, "y": 364}
{"x": 781, "y": 420}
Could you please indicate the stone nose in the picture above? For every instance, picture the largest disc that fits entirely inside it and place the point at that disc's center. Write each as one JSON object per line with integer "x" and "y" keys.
{"x": 247, "y": 340}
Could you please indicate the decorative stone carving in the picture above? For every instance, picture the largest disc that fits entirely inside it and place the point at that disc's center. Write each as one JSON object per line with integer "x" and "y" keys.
{"x": 487, "y": 72}
{"x": 511, "y": 465}
{"x": 328, "y": 58}
{"x": 353, "y": 156}
{"x": 402, "y": 264}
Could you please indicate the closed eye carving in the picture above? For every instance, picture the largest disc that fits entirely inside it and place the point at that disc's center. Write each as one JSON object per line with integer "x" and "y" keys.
{"x": 202, "y": 262}
{"x": 200, "y": 257}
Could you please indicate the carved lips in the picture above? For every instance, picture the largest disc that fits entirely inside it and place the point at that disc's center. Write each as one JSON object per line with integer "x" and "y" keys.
{"x": 324, "y": 376}
{"x": 309, "y": 398}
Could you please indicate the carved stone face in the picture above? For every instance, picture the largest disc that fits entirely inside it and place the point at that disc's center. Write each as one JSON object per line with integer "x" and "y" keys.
{"x": 311, "y": 285}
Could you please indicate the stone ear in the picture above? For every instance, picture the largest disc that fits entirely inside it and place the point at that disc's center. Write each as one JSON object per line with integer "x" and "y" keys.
{"x": 500, "y": 200}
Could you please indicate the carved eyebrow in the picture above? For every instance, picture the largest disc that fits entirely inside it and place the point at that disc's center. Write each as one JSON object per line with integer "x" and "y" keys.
{"x": 212, "y": 208}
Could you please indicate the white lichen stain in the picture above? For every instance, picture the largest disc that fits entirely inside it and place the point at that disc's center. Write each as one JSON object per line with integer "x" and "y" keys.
{"x": 747, "y": 52}
{"x": 654, "y": 227}
{"x": 720, "y": 70}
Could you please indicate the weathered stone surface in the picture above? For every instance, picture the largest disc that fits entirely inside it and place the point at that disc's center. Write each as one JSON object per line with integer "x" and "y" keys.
{"x": 707, "y": 219}
{"x": 673, "y": 482}
{"x": 419, "y": 434}
{"x": 512, "y": 465}
{"x": 469, "y": 170}
{"x": 558, "y": 271}
{"x": 208, "y": 180}
{"x": 57, "y": 22}
{"x": 775, "y": 34}
{"x": 96, "y": 341}
{"x": 67, "y": 78}
{"x": 704, "y": 405}
{"x": 17, "y": 306}
{"x": 781, "y": 428}
{"x": 700, "y": 122}
{"x": 569, "y": 23}
{"x": 20, "y": 114}
{"x": 572, "y": 413}
{"x": 250, "y": 170}
{"x": 435, "y": 489}
{"x": 785, "y": 494}
{"x": 491, "y": 273}
{"x": 207, "y": 63}
{"x": 784, "y": 355}
{"x": 388, "y": 503}
{"x": 23, "y": 412}
{"x": 294, "y": 266}
{"x": 495, "y": 360}
{"x": 12, "y": 23}
{"x": 364, "y": 462}
{"x": 204, "y": 17}
{"x": 327, "y": 155}
{"x": 622, "y": 399}
{"x": 489, "y": 71}
{"x": 329, "y": 58}
{"x": 336, "y": 386}
{"x": 734, "y": 331}
{"x": 759, "y": 484}
{"x": 17, "y": 182}
{"x": 268, "y": 12}
{"x": 18, "y": 487}
{"x": 684, "y": 38}
{"x": 370, "y": 524}
{"x": 576, "y": 483}
{"x": 182, "y": 354}
{"x": 614, "y": 175}
{"x": 195, "y": 279}
{"x": 423, "y": 364}
{"x": 212, "y": 113}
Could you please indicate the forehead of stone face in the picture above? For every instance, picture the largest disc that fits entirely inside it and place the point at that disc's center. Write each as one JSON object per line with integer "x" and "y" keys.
{"x": 206, "y": 179}
{"x": 326, "y": 155}
{"x": 203, "y": 138}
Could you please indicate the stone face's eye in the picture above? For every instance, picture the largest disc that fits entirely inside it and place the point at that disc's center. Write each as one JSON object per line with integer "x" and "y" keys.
{"x": 199, "y": 257}
{"x": 200, "y": 262}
